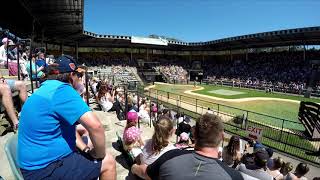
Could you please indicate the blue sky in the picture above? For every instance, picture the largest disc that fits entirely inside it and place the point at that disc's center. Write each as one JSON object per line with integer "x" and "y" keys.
{"x": 198, "y": 20}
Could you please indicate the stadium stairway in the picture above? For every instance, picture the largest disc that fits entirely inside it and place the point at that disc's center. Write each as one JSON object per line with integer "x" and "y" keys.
{"x": 135, "y": 72}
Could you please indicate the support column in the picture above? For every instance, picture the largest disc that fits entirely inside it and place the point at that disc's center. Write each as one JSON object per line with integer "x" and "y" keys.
{"x": 231, "y": 55}
{"x": 131, "y": 55}
{"x": 202, "y": 58}
{"x": 77, "y": 51}
{"x": 87, "y": 86}
{"x": 42, "y": 37}
{"x": 61, "y": 48}
{"x": 147, "y": 54}
{"x": 30, "y": 54}
{"x": 304, "y": 52}
{"x": 18, "y": 59}
{"x": 247, "y": 50}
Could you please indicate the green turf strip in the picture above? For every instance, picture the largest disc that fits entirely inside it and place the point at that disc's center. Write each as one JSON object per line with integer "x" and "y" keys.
{"x": 250, "y": 93}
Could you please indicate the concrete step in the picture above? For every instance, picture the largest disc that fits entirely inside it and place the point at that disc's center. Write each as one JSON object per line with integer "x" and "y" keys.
{"x": 11, "y": 77}
{"x": 4, "y": 72}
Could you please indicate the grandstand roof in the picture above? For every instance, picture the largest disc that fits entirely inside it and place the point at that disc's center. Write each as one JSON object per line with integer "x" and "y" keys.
{"x": 56, "y": 20}
{"x": 61, "y": 21}
{"x": 298, "y": 36}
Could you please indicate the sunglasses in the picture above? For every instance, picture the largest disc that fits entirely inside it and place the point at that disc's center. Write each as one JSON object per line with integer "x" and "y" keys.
{"x": 79, "y": 74}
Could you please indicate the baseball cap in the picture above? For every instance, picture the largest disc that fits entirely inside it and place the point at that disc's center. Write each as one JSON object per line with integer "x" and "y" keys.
{"x": 257, "y": 146}
{"x": 261, "y": 157}
{"x": 270, "y": 152}
{"x": 66, "y": 63}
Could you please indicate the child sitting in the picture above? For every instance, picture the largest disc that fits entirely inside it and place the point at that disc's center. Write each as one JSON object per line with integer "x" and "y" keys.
{"x": 184, "y": 141}
{"x": 132, "y": 142}
{"x": 154, "y": 111}
{"x": 144, "y": 112}
{"x": 183, "y": 126}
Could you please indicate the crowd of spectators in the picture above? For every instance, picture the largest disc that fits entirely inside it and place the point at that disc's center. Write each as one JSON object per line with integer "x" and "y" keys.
{"x": 277, "y": 71}
{"x": 113, "y": 98}
{"x": 61, "y": 110}
{"x": 99, "y": 59}
{"x": 173, "y": 70}
{"x": 116, "y": 74}
{"x": 156, "y": 157}
{"x": 10, "y": 52}
{"x": 283, "y": 71}
{"x": 56, "y": 138}
{"x": 159, "y": 158}
{"x": 174, "y": 73}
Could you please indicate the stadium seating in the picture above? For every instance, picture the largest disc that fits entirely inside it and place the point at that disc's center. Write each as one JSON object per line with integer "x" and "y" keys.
{"x": 173, "y": 73}
{"x": 11, "y": 149}
{"x": 281, "y": 71}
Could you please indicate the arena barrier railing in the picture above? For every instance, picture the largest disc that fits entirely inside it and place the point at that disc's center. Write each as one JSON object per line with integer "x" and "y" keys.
{"x": 314, "y": 93}
{"x": 278, "y": 133}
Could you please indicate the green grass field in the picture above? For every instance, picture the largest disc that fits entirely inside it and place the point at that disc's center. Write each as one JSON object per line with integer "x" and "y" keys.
{"x": 280, "y": 109}
{"x": 251, "y": 93}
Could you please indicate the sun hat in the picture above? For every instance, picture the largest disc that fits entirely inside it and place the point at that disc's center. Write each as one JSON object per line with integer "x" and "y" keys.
{"x": 154, "y": 108}
{"x": 131, "y": 134}
{"x": 5, "y": 40}
{"x": 184, "y": 136}
{"x": 132, "y": 116}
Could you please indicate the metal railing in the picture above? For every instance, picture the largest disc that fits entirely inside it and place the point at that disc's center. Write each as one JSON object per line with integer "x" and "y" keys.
{"x": 279, "y": 133}
{"x": 242, "y": 84}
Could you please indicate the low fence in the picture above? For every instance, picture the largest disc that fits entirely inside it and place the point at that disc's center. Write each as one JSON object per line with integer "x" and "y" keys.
{"x": 281, "y": 134}
{"x": 314, "y": 93}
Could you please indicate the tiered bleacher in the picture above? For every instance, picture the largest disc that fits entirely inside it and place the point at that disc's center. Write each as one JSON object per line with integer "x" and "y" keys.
{"x": 282, "y": 71}
{"x": 174, "y": 73}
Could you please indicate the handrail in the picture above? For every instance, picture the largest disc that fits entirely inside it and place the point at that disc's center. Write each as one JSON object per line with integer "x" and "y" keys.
{"x": 278, "y": 137}
{"x": 229, "y": 106}
{"x": 260, "y": 87}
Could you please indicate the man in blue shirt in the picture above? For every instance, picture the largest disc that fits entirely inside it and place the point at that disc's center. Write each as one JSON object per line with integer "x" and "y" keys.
{"x": 47, "y": 137}
{"x": 41, "y": 62}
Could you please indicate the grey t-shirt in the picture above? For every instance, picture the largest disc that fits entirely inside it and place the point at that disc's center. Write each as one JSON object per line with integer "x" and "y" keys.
{"x": 259, "y": 173}
{"x": 188, "y": 165}
{"x": 147, "y": 155}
